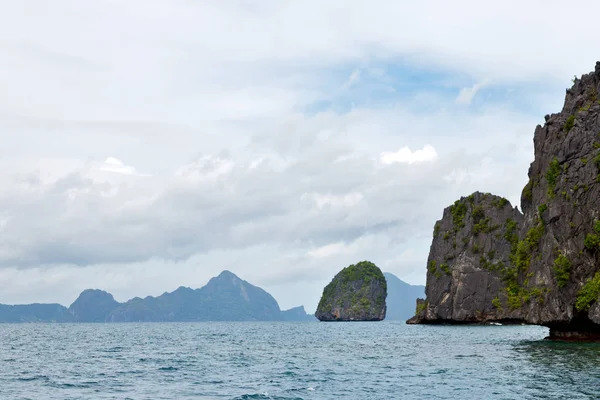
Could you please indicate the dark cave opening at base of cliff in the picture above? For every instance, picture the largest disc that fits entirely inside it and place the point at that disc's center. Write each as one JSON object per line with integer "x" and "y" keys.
{"x": 580, "y": 328}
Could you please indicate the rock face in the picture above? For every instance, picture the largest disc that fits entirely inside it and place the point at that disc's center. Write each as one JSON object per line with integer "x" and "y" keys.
{"x": 469, "y": 256}
{"x": 357, "y": 293}
{"x": 489, "y": 262}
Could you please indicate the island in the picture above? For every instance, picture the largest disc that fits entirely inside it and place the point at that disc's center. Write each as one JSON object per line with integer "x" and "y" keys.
{"x": 356, "y": 293}
{"x": 225, "y": 297}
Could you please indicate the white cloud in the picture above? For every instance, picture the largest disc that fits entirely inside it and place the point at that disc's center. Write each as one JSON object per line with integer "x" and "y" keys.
{"x": 353, "y": 79}
{"x": 329, "y": 250}
{"x": 347, "y": 200}
{"x": 112, "y": 164}
{"x": 467, "y": 94}
{"x": 206, "y": 168}
{"x": 284, "y": 169}
{"x": 406, "y": 156}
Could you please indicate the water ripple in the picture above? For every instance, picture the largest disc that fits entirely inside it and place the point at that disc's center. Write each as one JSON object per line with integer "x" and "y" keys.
{"x": 292, "y": 361}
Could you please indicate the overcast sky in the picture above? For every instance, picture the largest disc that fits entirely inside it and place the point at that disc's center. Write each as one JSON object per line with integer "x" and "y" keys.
{"x": 146, "y": 145}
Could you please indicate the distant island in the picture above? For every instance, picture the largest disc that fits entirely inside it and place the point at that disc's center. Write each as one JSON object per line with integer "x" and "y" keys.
{"x": 224, "y": 298}
{"x": 356, "y": 293}
{"x": 401, "y": 298}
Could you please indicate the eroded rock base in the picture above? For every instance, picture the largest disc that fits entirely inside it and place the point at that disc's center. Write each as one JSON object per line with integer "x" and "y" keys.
{"x": 573, "y": 336}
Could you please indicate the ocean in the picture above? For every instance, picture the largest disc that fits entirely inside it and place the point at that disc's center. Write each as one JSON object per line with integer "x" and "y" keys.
{"x": 264, "y": 360}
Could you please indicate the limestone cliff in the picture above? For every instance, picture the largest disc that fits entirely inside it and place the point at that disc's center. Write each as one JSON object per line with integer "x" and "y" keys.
{"x": 357, "y": 293}
{"x": 470, "y": 260}
{"x": 492, "y": 263}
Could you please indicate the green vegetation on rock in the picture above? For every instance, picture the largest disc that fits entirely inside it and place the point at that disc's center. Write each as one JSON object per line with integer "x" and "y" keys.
{"x": 569, "y": 123}
{"x": 588, "y": 294}
{"x": 436, "y": 229}
{"x": 458, "y": 211}
{"x": 510, "y": 234}
{"x": 562, "y": 270}
{"x": 356, "y": 293}
{"x": 496, "y": 303}
{"x": 520, "y": 256}
{"x": 527, "y": 191}
{"x": 446, "y": 269}
{"x": 484, "y": 226}
{"x": 432, "y": 268}
{"x": 478, "y": 214}
{"x": 500, "y": 203}
{"x": 552, "y": 176}
{"x": 592, "y": 240}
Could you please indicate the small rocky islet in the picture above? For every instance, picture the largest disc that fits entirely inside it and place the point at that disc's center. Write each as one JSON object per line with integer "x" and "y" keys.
{"x": 356, "y": 293}
{"x": 490, "y": 262}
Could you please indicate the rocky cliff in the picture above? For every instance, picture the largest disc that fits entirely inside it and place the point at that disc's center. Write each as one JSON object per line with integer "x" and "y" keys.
{"x": 470, "y": 261}
{"x": 356, "y": 293}
{"x": 489, "y": 262}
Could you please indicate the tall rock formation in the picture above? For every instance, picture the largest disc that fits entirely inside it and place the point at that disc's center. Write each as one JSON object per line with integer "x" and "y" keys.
{"x": 470, "y": 260}
{"x": 356, "y": 293}
{"x": 489, "y": 262}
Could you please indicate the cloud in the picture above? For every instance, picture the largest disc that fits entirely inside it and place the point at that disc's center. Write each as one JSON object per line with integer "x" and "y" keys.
{"x": 353, "y": 79}
{"x": 406, "y": 156}
{"x": 347, "y": 200}
{"x": 467, "y": 94}
{"x": 329, "y": 250}
{"x": 115, "y": 165}
{"x": 312, "y": 199}
{"x": 169, "y": 147}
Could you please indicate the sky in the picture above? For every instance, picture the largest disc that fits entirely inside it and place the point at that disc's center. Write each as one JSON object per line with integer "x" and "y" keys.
{"x": 147, "y": 145}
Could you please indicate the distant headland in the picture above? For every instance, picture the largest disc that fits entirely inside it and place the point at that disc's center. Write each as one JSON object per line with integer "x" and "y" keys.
{"x": 225, "y": 297}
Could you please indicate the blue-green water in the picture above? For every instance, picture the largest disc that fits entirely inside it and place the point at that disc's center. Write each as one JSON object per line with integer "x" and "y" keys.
{"x": 384, "y": 360}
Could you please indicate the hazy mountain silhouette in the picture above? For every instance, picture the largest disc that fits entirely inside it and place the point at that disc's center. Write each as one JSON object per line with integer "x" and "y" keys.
{"x": 401, "y": 298}
{"x": 224, "y": 298}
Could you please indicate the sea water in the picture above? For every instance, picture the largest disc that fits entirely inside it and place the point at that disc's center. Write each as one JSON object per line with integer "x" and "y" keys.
{"x": 263, "y": 360}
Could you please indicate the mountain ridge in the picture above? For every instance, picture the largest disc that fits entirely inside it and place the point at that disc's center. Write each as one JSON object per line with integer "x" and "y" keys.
{"x": 225, "y": 297}
{"x": 96, "y": 305}
{"x": 401, "y": 298}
